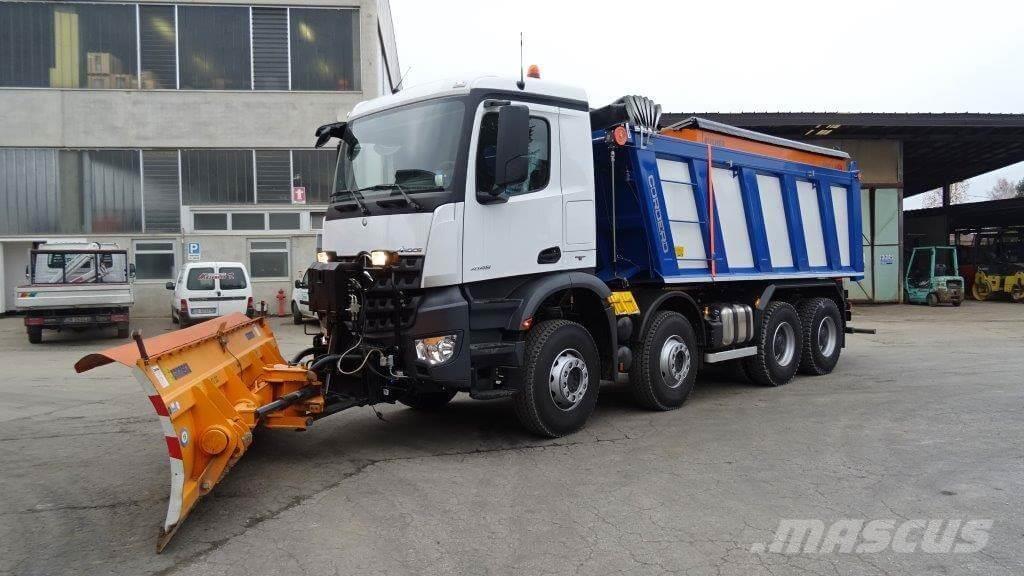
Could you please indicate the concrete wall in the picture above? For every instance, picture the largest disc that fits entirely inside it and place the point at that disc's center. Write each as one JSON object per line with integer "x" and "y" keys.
{"x": 880, "y": 161}
{"x": 78, "y": 118}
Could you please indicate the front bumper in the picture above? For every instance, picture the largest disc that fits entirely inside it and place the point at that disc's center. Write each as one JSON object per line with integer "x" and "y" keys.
{"x": 395, "y": 312}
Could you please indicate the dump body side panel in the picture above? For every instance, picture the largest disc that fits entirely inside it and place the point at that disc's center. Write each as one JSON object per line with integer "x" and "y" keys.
{"x": 756, "y": 218}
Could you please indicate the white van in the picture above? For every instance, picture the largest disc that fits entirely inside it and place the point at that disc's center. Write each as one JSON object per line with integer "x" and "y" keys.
{"x": 206, "y": 290}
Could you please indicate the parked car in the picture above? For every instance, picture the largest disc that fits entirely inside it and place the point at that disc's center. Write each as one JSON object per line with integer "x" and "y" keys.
{"x": 205, "y": 290}
{"x": 300, "y": 299}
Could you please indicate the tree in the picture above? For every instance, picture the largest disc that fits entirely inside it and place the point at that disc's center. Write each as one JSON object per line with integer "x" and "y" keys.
{"x": 1003, "y": 190}
{"x": 957, "y": 195}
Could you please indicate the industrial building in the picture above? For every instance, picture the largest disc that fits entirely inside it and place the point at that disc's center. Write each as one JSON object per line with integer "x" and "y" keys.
{"x": 900, "y": 156}
{"x": 179, "y": 130}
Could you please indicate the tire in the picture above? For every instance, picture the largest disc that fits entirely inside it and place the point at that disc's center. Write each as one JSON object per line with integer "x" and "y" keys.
{"x": 821, "y": 325}
{"x": 765, "y": 368}
{"x": 122, "y": 332}
{"x": 174, "y": 316}
{"x": 296, "y": 315}
{"x": 428, "y": 401}
{"x": 35, "y": 334}
{"x": 564, "y": 349}
{"x": 957, "y": 303}
{"x": 932, "y": 300}
{"x": 980, "y": 293}
{"x": 667, "y": 361}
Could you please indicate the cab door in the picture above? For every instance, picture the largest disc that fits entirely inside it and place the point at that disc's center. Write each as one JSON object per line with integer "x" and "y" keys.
{"x": 522, "y": 235}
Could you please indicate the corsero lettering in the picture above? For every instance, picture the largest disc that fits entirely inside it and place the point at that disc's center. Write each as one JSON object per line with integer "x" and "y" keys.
{"x": 658, "y": 220}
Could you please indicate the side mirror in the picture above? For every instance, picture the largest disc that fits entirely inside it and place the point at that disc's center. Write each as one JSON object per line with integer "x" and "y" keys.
{"x": 169, "y": 285}
{"x": 511, "y": 162}
{"x": 131, "y": 270}
{"x": 298, "y": 284}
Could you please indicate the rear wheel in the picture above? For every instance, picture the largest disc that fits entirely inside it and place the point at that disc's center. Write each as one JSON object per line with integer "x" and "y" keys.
{"x": 174, "y": 316}
{"x": 35, "y": 334}
{"x": 822, "y": 336}
{"x": 778, "y": 346}
{"x": 427, "y": 401}
{"x": 296, "y": 315}
{"x": 666, "y": 366}
{"x": 560, "y": 380}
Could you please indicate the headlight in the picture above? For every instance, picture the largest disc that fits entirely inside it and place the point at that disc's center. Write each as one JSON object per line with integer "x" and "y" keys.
{"x": 436, "y": 349}
{"x": 383, "y": 258}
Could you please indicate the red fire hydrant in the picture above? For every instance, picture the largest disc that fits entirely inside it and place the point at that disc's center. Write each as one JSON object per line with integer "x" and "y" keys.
{"x": 280, "y": 302}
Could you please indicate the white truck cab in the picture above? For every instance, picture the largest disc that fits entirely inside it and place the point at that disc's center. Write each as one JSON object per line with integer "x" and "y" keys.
{"x": 205, "y": 290}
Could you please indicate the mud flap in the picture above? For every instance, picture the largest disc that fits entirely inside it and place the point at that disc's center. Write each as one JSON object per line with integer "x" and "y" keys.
{"x": 211, "y": 385}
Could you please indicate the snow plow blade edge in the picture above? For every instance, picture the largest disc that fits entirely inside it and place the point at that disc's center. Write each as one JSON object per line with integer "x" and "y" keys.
{"x": 208, "y": 384}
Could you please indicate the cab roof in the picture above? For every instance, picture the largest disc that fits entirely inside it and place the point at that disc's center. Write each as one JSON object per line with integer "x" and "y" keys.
{"x": 451, "y": 87}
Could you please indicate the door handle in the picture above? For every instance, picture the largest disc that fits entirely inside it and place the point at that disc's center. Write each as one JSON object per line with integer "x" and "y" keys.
{"x": 549, "y": 255}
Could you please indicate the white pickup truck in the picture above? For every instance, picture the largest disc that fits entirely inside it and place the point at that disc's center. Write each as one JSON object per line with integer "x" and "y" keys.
{"x": 76, "y": 286}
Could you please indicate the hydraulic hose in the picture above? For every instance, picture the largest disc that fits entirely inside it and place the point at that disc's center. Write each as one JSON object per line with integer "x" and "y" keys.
{"x": 298, "y": 357}
{"x": 323, "y": 361}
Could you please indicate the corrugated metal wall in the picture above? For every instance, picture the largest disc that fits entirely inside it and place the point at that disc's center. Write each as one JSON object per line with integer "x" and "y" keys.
{"x": 28, "y": 183}
{"x": 270, "y": 48}
{"x": 273, "y": 176}
{"x": 160, "y": 187}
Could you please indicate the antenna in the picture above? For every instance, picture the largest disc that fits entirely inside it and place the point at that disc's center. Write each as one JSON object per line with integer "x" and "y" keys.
{"x": 400, "y": 80}
{"x": 522, "y": 81}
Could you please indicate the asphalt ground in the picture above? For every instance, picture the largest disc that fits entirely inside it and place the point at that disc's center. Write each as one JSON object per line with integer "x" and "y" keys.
{"x": 920, "y": 422}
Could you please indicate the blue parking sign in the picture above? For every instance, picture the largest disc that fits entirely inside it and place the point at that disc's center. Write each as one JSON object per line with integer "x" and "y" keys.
{"x": 194, "y": 251}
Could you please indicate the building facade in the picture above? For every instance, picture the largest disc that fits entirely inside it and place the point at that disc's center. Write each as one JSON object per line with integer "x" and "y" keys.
{"x": 179, "y": 130}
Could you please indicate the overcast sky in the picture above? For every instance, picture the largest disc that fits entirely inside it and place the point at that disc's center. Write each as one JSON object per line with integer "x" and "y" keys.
{"x": 864, "y": 56}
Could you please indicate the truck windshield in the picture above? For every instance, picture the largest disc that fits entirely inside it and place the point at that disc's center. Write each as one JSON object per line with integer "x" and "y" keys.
{"x": 79, "y": 267}
{"x": 413, "y": 148}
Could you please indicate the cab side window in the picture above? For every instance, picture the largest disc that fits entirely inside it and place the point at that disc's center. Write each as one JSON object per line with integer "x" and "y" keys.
{"x": 539, "y": 164}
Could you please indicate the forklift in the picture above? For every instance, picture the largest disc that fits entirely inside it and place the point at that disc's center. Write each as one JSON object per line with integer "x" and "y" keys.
{"x": 933, "y": 277}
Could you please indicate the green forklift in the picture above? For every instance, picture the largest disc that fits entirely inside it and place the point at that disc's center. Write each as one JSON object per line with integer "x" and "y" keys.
{"x": 933, "y": 277}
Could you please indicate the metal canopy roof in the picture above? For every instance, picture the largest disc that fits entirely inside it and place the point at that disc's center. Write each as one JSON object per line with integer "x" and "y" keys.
{"x": 992, "y": 213}
{"x": 937, "y": 148}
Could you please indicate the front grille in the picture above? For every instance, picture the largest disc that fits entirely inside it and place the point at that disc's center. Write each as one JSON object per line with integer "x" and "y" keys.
{"x": 381, "y": 300}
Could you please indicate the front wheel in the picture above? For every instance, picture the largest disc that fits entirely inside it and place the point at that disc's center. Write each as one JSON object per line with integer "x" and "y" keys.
{"x": 666, "y": 367}
{"x": 981, "y": 291}
{"x": 822, "y": 327}
{"x": 296, "y": 315}
{"x": 779, "y": 345}
{"x": 560, "y": 379}
{"x": 932, "y": 300}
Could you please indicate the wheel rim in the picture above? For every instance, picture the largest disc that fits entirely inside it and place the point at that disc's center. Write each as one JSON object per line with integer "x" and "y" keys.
{"x": 784, "y": 344}
{"x": 828, "y": 336}
{"x": 568, "y": 379}
{"x": 674, "y": 361}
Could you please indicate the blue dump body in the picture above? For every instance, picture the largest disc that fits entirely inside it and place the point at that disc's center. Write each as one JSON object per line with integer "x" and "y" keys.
{"x": 773, "y": 218}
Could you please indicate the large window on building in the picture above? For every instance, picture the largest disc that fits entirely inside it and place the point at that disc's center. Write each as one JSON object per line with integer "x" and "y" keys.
{"x": 314, "y": 169}
{"x": 213, "y": 48}
{"x": 158, "y": 47}
{"x": 67, "y": 45}
{"x": 268, "y": 258}
{"x": 154, "y": 260}
{"x": 217, "y": 177}
{"x": 324, "y": 49}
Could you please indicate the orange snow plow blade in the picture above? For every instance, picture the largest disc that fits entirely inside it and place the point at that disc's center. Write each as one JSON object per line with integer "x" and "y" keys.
{"x": 211, "y": 385}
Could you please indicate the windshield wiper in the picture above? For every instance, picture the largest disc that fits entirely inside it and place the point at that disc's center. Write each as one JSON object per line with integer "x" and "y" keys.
{"x": 356, "y": 195}
{"x": 396, "y": 186}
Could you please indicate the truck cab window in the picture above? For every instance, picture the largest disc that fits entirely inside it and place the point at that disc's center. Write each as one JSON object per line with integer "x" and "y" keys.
{"x": 540, "y": 156}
